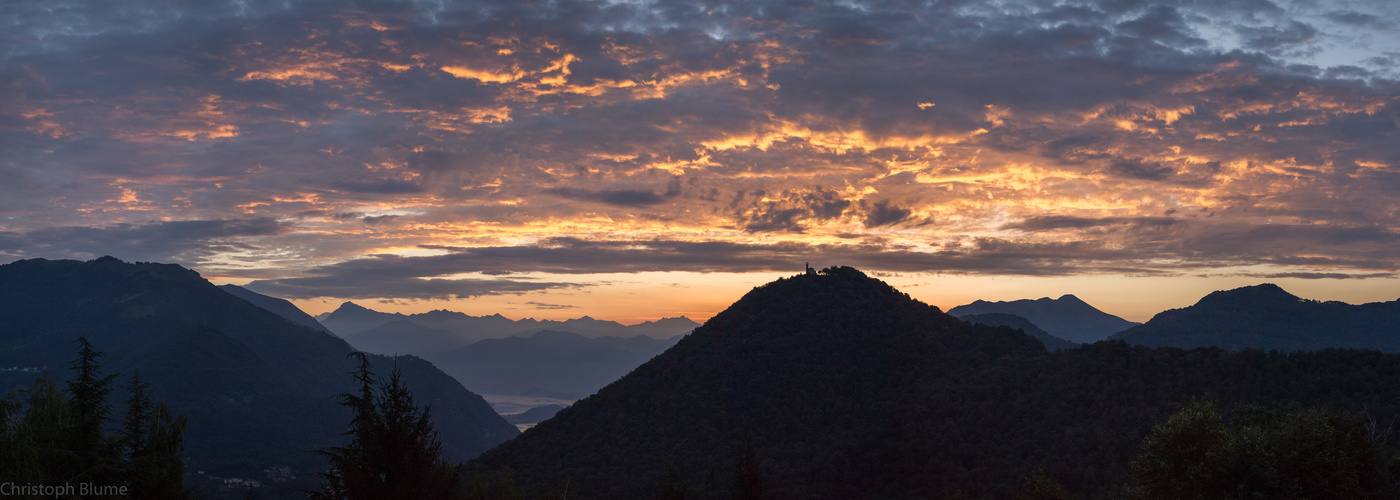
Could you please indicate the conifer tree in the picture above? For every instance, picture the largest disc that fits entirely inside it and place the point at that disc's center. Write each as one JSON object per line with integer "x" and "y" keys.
{"x": 96, "y": 455}
{"x": 394, "y": 451}
{"x": 154, "y": 442}
{"x": 55, "y": 438}
{"x": 138, "y": 411}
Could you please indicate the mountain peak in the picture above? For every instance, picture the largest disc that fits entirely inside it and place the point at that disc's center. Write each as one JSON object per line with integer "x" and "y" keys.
{"x": 1069, "y": 298}
{"x": 1067, "y": 317}
{"x": 1266, "y": 317}
{"x": 834, "y": 299}
{"x": 349, "y": 306}
{"x": 1262, "y": 294}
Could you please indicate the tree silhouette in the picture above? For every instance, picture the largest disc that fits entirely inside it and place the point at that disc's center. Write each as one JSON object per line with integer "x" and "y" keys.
{"x": 95, "y": 454}
{"x": 748, "y": 482}
{"x": 394, "y": 451}
{"x": 1283, "y": 452}
{"x": 154, "y": 443}
{"x": 55, "y": 438}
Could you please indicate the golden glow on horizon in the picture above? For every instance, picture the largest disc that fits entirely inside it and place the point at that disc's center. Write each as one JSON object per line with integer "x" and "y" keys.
{"x": 634, "y": 298}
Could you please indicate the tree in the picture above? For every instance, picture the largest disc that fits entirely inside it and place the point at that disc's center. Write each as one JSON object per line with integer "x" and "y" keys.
{"x": 154, "y": 443}
{"x": 55, "y": 438}
{"x": 1283, "y": 452}
{"x": 394, "y": 451}
{"x": 1295, "y": 452}
{"x": 1040, "y": 486}
{"x": 96, "y": 454}
{"x": 748, "y": 482}
{"x": 36, "y": 435}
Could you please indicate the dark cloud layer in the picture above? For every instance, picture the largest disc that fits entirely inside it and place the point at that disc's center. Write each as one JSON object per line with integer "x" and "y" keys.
{"x": 307, "y": 143}
{"x": 177, "y": 241}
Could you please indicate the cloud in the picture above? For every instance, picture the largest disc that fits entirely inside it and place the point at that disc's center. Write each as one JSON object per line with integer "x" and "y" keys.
{"x": 259, "y": 138}
{"x": 572, "y": 256}
{"x": 178, "y": 241}
{"x": 1354, "y": 18}
{"x": 540, "y": 305}
{"x": 1053, "y": 222}
{"x": 369, "y": 287}
{"x": 1277, "y": 40}
{"x": 1323, "y": 276}
{"x": 790, "y": 210}
{"x": 619, "y": 197}
{"x": 882, "y": 214}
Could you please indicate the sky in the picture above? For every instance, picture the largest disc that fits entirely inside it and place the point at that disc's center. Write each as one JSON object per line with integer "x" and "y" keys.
{"x": 633, "y": 160}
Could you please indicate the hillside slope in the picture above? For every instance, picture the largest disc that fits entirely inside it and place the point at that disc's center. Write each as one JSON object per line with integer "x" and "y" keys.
{"x": 1267, "y": 317}
{"x": 260, "y": 390}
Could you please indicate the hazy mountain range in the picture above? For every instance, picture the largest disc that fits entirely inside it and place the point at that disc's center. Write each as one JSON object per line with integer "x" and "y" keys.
{"x": 1066, "y": 317}
{"x": 553, "y": 364}
{"x": 353, "y": 321}
{"x": 259, "y": 389}
{"x": 496, "y": 355}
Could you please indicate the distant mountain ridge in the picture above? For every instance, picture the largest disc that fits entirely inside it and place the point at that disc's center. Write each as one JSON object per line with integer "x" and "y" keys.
{"x": 1051, "y": 342}
{"x": 403, "y": 336}
{"x": 1067, "y": 317}
{"x": 1266, "y": 317}
{"x": 534, "y": 415}
{"x": 260, "y": 389}
{"x": 280, "y": 307}
{"x": 351, "y": 319}
{"x": 561, "y": 365}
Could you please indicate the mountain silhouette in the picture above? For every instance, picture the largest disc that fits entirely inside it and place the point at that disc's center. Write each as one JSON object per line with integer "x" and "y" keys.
{"x": 534, "y": 415}
{"x": 837, "y": 386}
{"x": 1267, "y": 317}
{"x": 1051, "y": 342}
{"x": 1067, "y": 317}
{"x": 280, "y": 307}
{"x": 351, "y": 318}
{"x": 403, "y": 336}
{"x": 798, "y": 365}
{"x": 260, "y": 390}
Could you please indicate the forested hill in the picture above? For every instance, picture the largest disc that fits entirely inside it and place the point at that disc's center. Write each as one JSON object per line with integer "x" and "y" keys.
{"x": 839, "y": 386}
{"x": 812, "y": 370}
{"x": 260, "y": 391}
{"x": 1266, "y": 317}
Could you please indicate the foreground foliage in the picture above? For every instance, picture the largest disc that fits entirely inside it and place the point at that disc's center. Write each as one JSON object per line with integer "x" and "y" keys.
{"x": 61, "y": 439}
{"x": 1286, "y": 451}
{"x": 394, "y": 451}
